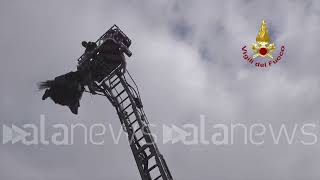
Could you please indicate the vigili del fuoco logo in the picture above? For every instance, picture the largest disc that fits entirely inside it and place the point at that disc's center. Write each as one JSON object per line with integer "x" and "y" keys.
{"x": 262, "y": 49}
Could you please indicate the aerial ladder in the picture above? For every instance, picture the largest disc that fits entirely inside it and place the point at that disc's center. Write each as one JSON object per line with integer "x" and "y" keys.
{"x": 116, "y": 84}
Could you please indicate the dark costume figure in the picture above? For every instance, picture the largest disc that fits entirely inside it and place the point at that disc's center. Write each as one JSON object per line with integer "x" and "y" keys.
{"x": 65, "y": 90}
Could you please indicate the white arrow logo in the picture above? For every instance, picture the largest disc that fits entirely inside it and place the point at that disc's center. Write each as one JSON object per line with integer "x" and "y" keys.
{"x": 13, "y": 134}
{"x": 174, "y": 134}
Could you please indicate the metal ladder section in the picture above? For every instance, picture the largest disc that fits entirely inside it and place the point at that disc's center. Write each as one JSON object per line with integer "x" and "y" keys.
{"x": 125, "y": 98}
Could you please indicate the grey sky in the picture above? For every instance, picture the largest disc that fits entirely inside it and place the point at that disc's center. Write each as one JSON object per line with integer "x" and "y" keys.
{"x": 187, "y": 61}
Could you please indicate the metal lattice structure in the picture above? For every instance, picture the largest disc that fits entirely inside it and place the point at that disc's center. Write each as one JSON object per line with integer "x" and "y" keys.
{"x": 118, "y": 86}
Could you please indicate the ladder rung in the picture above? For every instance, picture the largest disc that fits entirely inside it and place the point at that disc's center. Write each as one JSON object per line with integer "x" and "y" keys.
{"x": 148, "y": 157}
{"x": 137, "y": 129}
{"x": 124, "y": 100}
{"x": 154, "y": 166}
{"x": 140, "y": 139}
{"x": 113, "y": 80}
{"x": 126, "y": 107}
{"x": 129, "y": 115}
{"x": 133, "y": 122}
{"x": 120, "y": 93}
{"x": 158, "y": 177}
{"x": 142, "y": 148}
{"x": 115, "y": 85}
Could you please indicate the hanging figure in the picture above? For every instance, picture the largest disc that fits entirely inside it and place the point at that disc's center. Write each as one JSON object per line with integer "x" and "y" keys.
{"x": 65, "y": 90}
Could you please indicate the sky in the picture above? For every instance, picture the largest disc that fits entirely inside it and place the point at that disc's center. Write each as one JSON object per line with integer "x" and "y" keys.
{"x": 187, "y": 61}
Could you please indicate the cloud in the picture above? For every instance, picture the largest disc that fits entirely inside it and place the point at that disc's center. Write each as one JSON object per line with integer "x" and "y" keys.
{"x": 187, "y": 61}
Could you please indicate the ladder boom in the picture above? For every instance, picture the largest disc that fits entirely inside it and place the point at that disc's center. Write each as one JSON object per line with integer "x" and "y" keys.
{"x": 112, "y": 81}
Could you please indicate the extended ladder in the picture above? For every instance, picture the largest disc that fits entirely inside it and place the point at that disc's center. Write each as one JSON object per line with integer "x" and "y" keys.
{"x": 125, "y": 98}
